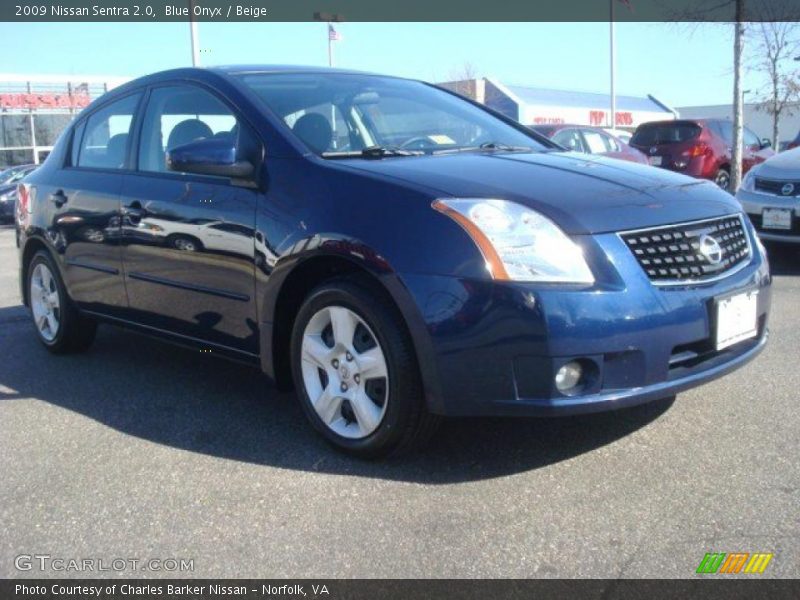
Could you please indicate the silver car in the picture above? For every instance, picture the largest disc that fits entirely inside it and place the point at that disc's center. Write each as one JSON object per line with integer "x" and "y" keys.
{"x": 770, "y": 195}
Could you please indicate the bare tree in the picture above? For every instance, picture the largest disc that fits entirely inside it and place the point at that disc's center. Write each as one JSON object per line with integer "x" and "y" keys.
{"x": 461, "y": 80}
{"x": 742, "y": 14}
{"x": 777, "y": 44}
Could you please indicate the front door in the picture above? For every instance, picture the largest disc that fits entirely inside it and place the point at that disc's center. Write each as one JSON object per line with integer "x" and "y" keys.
{"x": 189, "y": 245}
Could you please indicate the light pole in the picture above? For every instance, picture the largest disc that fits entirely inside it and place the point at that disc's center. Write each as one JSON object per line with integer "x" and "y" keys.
{"x": 612, "y": 117}
{"x": 193, "y": 35}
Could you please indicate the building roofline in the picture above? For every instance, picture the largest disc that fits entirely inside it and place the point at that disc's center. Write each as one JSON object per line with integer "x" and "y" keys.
{"x": 65, "y": 78}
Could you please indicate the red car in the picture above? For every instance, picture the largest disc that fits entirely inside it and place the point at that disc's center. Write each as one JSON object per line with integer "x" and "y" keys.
{"x": 591, "y": 140}
{"x": 698, "y": 147}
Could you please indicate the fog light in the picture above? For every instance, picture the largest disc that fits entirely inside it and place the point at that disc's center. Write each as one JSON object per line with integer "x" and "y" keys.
{"x": 569, "y": 376}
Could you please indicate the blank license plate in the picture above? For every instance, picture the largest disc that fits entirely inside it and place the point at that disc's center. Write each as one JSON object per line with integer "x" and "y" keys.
{"x": 736, "y": 319}
{"x": 776, "y": 218}
{"x": 654, "y": 160}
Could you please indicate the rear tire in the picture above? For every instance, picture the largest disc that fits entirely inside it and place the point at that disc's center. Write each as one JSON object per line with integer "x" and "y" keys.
{"x": 59, "y": 325}
{"x": 355, "y": 370}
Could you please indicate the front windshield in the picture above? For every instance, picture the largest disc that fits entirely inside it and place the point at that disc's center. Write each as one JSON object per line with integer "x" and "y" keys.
{"x": 341, "y": 114}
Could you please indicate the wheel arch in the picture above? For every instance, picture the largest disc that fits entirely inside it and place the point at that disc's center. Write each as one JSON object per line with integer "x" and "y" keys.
{"x": 29, "y": 250}
{"x": 281, "y": 306}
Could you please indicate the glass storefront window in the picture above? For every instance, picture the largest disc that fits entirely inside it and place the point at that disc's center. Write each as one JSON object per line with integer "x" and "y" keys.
{"x": 15, "y": 130}
{"x": 12, "y": 158}
{"x": 47, "y": 128}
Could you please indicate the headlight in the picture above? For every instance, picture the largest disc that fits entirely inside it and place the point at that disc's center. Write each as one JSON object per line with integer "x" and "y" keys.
{"x": 518, "y": 243}
{"x": 4, "y": 198}
{"x": 749, "y": 181}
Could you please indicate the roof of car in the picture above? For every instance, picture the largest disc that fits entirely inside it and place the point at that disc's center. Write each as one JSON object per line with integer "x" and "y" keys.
{"x": 240, "y": 69}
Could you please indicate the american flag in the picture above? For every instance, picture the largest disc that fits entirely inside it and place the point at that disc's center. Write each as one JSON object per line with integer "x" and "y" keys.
{"x": 333, "y": 35}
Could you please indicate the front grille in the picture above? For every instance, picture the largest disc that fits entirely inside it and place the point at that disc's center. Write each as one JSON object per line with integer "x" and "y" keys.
{"x": 673, "y": 254}
{"x": 771, "y": 186}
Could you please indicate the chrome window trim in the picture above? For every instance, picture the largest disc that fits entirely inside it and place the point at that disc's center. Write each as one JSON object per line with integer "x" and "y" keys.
{"x": 694, "y": 281}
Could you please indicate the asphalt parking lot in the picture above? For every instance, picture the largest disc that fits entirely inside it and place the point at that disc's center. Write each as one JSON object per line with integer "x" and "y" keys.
{"x": 140, "y": 449}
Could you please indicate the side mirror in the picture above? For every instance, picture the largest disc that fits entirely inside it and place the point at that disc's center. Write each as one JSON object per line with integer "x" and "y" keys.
{"x": 211, "y": 156}
{"x": 765, "y": 143}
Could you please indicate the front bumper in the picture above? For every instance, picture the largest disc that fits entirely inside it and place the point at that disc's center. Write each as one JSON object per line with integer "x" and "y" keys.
{"x": 495, "y": 347}
{"x": 754, "y": 204}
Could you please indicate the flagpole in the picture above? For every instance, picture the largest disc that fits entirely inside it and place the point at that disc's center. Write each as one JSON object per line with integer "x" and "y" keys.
{"x": 330, "y": 46}
{"x": 612, "y": 117}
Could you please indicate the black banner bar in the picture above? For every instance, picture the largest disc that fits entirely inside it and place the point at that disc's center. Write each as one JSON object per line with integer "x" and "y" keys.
{"x": 735, "y": 588}
{"x": 386, "y": 10}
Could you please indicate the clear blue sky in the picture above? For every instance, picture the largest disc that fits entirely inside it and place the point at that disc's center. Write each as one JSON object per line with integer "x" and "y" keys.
{"x": 681, "y": 65}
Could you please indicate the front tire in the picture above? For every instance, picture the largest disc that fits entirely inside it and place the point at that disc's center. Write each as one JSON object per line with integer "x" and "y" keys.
{"x": 355, "y": 370}
{"x": 59, "y": 325}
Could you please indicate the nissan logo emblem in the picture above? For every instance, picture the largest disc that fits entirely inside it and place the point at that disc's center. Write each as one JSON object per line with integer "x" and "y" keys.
{"x": 653, "y": 150}
{"x": 710, "y": 248}
{"x": 787, "y": 189}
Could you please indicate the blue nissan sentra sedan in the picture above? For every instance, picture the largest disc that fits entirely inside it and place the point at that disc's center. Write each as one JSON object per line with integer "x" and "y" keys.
{"x": 393, "y": 251}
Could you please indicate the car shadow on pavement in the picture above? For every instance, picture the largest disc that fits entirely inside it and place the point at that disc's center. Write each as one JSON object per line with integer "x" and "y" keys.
{"x": 183, "y": 399}
{"x": 784, "y": 259}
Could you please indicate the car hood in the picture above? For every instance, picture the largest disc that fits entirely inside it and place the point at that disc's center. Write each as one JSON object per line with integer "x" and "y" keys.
{"x": 582, "y": 193}
{"x": 6, "y": 189}
{"x": 785, "y": 165}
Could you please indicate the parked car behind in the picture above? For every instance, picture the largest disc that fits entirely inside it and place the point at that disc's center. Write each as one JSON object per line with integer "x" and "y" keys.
{"x": 8, "y": 190}
{"x": 13, "y": 174}
{"x": 794, "y": 143}
{"x": 769, "y": 194}
{"x": 428, "y": 256}
{"x": 699, "y": 147}
{"x": 590, "y": 140}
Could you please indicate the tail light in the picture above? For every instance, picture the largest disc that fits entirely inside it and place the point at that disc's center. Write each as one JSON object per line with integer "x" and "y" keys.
{"x": 698, "y": 149}
{"x": 23, "y": 201}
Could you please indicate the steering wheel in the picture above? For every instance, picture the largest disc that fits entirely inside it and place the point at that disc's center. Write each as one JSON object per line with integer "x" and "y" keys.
{"x": 421, "y": 141}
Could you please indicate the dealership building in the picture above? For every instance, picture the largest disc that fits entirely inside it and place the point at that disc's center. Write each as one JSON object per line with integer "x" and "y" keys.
{"x": 540, "y": 106}
{"x": 35, "y": 109}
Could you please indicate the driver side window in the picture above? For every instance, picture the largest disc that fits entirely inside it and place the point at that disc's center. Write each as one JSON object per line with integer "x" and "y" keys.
{"x": 180, "y": 114}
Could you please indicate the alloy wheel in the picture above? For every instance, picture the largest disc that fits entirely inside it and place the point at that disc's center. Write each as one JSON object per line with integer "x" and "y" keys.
{"x": 344, "y": 372}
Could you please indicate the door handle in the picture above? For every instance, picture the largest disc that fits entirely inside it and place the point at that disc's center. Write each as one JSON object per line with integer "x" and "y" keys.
{"x": 58, "y": 198}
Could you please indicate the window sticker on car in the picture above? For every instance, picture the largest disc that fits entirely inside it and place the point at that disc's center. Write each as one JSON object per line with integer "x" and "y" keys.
{"x": 441, "y": 139}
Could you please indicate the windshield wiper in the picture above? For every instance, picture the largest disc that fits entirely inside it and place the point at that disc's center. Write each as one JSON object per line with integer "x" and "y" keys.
{"x": 373, "y": 152}
{"x": 486, "y": 147}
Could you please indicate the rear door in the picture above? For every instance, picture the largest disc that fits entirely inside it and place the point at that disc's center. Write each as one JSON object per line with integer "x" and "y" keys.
{"x": 84, "y": 197}
{"x": 189, "y": 251}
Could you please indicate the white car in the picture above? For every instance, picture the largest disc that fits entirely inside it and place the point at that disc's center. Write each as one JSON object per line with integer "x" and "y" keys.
{"x": 770, "y": 195}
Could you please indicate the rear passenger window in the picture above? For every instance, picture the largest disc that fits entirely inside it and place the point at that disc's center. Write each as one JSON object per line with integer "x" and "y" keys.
{"x": 595, "y": 141}
{"x": 570, "y": 139}
{"x": 180, "y": 114}
{"x": 105, "y": 139}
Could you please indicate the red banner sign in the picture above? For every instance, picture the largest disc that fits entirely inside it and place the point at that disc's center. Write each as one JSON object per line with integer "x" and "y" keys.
{"x": 35, "y": 101}
{"x": 598, "y": 117}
